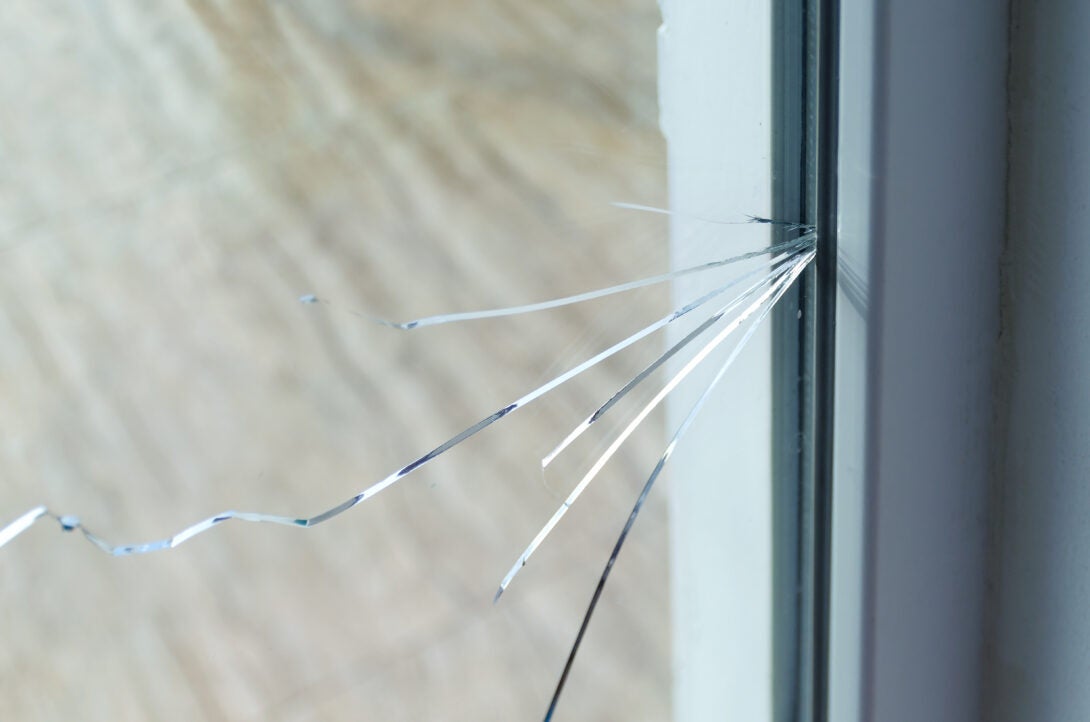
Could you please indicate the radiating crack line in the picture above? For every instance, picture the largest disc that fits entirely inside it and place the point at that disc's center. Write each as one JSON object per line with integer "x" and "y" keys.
{"x": 73, "y": 523}
{"x": 682, "y": 428}
{"x": 697, "y": 359}
{"x": 798, "y": 243}
{"x": 787, "y": 225}
{"x": 781, "y": 265}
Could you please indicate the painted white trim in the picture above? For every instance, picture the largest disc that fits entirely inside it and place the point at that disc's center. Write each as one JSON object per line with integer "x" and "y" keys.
{"x": 715, "y": 94}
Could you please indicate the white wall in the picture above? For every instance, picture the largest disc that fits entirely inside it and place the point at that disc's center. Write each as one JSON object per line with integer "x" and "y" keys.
{"x": 1041, "y": 642}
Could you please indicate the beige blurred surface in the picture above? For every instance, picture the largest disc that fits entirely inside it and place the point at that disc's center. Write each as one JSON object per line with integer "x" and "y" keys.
{"x": 173, "y": 176}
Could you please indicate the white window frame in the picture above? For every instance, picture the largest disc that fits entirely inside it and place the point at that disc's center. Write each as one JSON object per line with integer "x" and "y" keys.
{"x": 714, "y": 93}
{"x": 921, "y": 198}
{"x": 922, "y": 208}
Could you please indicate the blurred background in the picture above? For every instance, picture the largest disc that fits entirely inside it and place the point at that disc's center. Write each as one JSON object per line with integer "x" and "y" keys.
{"x": 173, "y": 177}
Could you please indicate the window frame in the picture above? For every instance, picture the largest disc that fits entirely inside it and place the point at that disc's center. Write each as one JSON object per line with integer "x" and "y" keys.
{"x": 910, "y": 209}
{"x": 921, "y": 184}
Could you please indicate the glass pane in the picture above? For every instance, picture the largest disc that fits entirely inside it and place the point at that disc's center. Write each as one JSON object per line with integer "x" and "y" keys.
{"x": 177, "y": 175}
{"x": 741, "y": 117}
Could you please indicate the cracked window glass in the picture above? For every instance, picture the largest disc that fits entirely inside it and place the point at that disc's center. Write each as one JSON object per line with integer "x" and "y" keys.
{"x": 321, "y": 319}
